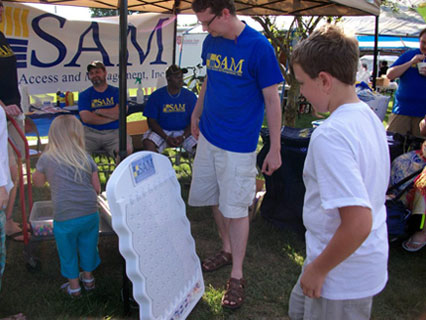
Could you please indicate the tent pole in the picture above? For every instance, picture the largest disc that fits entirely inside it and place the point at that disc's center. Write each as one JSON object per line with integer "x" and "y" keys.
{"x": 122, "y": 153}
{"x": 376, "y": 44}
{"x": 123, "y": 79}
{"x": 176, "y": 10}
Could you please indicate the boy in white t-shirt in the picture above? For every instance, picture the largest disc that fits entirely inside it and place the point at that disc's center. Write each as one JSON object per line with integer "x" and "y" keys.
{"x": 346, "y": 174}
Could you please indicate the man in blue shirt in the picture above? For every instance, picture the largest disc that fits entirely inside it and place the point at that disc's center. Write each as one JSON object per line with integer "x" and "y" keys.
{"x": 99, "y": 110}
{"x": 410, "y": 101}
{"x": 169, "y": 112}
{"x": 242, "y": 80}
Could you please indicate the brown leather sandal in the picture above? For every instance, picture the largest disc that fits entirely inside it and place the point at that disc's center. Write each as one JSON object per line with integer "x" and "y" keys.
{"x": 217, "y": 261}
{"x": 234, "y": 295}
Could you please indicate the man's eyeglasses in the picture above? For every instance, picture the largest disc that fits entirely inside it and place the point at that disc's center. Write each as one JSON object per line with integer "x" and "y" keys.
{"x": 207, "y": 24}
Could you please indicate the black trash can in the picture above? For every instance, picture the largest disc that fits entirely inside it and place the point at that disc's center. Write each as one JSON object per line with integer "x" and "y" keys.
{"x": 282, "y": 204}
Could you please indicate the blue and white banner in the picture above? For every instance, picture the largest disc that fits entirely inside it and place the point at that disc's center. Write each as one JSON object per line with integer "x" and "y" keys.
{"x": 53, "y": 52}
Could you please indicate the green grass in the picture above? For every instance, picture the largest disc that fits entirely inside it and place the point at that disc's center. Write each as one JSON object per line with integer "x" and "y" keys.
{"x": 273, "y": 262}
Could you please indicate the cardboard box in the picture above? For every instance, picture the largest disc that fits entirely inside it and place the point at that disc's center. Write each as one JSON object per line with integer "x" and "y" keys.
{"x": 382, "y": 82}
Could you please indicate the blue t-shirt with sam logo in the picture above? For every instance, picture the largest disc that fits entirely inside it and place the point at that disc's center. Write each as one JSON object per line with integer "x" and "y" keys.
{"x": 91, "y": 100}
{"x": 172, "y": 112}
{"x": 237, "y": 71}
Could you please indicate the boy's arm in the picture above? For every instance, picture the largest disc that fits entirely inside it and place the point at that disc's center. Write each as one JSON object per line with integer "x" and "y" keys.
{"x": 39, "y": 179}
{"x": 355, "y": 226}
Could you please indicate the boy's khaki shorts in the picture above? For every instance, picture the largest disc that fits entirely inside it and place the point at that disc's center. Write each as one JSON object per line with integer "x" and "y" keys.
{"x": 302, "y": 307}
{"x": 404, "y": 124}
{"x": 223, "y": 178}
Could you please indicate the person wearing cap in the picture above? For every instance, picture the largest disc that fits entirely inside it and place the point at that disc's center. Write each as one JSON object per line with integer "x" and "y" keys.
{"x": 99, "y": 111}
{"x": 169, "y": 112}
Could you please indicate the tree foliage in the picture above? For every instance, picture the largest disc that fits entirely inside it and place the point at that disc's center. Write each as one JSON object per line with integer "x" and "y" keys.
{"x": 99, "y": 12}
{"x": 283, "y": 41}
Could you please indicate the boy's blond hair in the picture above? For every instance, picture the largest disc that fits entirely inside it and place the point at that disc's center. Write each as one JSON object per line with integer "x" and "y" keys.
{"x": 66, "y": 144}
{"x": 328, "y": 49}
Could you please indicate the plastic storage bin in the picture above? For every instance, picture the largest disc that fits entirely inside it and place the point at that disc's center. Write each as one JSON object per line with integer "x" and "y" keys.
{"x": 41, "y": 218}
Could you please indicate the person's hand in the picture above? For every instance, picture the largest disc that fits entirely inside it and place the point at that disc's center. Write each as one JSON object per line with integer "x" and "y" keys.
{"x": 173, "y": 141}
{"x": 195, "y": 129}
{"x": 272, "y": 162}
{"x": 4, "y": 198}
{"x": 417, "y": 58}
{"x": 12, "y": 110}
{"x": 311, "y": 281}
{"x": 180, "y": 139}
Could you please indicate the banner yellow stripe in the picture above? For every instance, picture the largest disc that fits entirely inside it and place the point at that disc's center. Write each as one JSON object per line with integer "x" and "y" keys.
{"x": 24, "y": 23}
{"x": 16, "y": 14}
{"x": 2, "y": 25}
{"x": 8, "y": 31}
{"x": 15, "y": 22}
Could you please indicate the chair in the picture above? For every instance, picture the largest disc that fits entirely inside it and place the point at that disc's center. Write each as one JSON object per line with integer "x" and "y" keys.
{"x": 181, "y": 160}
{"x": 136, "y": 129}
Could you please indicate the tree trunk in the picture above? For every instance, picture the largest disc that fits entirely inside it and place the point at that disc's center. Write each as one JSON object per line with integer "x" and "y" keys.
{"x": 290, "y": 110}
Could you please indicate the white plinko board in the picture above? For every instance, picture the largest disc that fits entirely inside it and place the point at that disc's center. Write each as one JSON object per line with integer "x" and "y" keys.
{"x": 148, "y": 214}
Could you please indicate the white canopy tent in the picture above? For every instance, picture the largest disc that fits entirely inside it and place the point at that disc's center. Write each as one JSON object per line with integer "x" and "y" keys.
{"x": 244, "y": 7}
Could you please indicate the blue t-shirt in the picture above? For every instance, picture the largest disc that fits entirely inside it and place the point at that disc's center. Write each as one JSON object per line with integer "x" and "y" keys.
{"x": 171, "y": 112}
{"x": 91, "y": 100}
{"x": 237, "y": 72}
{"x": 410, "y": 98}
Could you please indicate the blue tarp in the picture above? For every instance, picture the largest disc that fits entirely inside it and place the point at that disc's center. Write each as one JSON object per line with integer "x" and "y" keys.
{"x": 388, "y": 43}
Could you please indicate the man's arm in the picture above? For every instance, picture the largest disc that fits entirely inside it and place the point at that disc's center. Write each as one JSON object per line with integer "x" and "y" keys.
{"x": 90, "y": 117}
{"x": 111, "y": 113}
{"x": 422, "y": 126}
{"x": 198, "y": 110}
{"x": 154, "y": 126}
{"x": 398, "y": 71}
{"x": 355, "y": 226}
{"x": 273, "y": 115}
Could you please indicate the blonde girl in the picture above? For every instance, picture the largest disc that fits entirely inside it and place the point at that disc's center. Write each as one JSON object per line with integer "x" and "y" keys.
{"x": 74, "y": 185}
